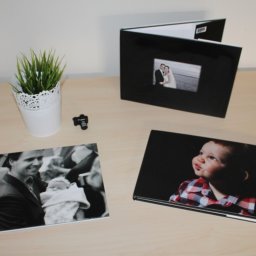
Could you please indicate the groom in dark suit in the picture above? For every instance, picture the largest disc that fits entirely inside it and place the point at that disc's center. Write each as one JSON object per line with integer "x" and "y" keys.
{"x": 20, "y": 204}
{"x": 159, "y": 75}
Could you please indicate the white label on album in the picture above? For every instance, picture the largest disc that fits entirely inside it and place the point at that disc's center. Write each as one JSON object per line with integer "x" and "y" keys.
{"x": 201, "y": 30}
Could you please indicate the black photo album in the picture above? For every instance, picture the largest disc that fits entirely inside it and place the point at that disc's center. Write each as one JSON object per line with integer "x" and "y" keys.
{"x": 183, "y": 66}
{"x": 207, "y": 175}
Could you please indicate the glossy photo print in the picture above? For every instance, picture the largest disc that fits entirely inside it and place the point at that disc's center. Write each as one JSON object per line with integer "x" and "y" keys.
{"x": 51, "y": 186}
{"x": 176, "y": 75}
{"x": 197, "y": 173}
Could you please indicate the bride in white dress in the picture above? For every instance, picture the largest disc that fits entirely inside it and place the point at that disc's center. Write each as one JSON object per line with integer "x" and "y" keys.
{"x": 169, "y": 79}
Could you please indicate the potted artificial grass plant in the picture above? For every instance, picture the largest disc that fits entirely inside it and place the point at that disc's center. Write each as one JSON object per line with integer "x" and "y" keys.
{"x": 37, "y": 91}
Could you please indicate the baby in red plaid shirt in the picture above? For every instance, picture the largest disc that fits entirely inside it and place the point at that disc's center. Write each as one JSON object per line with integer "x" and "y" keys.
{"x": 222, "y": 180}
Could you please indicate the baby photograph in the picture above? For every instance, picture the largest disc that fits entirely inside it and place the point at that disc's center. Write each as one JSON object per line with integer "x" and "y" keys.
{"x": 51, "y": 186}
{"x": 205, "y": 174}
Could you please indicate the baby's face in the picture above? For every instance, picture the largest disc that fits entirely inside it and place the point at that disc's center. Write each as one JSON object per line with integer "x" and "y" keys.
{"x": 57, "y": 185}
{"x": 211, "y": 160}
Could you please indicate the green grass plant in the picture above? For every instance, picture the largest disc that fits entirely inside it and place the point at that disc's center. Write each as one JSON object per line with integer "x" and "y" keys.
{"x": 38, "y": 72}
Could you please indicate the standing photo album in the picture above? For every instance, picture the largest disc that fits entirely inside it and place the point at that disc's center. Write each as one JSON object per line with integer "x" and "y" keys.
{"x": 183, "y": 66}
{"x": 202, "y": 174}
{"x": 51, "y": 186}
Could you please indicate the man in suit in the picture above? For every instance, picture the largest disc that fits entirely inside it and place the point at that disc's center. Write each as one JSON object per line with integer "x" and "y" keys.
{"x": 20, "y": 204}
{"x": 159, "y": 75}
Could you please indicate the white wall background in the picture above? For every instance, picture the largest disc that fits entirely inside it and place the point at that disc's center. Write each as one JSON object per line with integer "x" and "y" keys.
{"x": 87, "y": 32}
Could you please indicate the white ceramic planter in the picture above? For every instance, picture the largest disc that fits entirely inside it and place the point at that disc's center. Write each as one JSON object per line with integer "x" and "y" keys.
{"x": 41, "y": 112}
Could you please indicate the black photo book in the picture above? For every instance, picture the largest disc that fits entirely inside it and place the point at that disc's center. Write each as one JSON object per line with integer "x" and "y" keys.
{"x": 207, "y": 175}
{"x": 183, "y": 66}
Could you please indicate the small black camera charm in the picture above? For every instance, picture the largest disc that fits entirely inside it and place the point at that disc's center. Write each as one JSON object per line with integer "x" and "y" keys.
{"x": 81, "y": 120}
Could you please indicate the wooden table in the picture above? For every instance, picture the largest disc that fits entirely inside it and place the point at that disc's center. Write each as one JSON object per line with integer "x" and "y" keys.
{"x": 121, "y": 130}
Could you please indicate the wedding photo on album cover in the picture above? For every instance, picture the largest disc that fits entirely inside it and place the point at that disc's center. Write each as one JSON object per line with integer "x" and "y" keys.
{"x": 176, "y": 75}
{"x": 51, "y": 186}
{"x": 208, "y": 175}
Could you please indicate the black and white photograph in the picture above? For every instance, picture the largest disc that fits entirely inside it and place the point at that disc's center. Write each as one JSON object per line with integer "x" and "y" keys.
{"x": 176, "y": 75}
{"x": 51, "y": 186}
{"x": 203, "y": 174}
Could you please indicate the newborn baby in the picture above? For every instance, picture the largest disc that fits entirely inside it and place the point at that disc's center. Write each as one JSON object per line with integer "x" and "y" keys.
{"x": 63, "y": 202}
